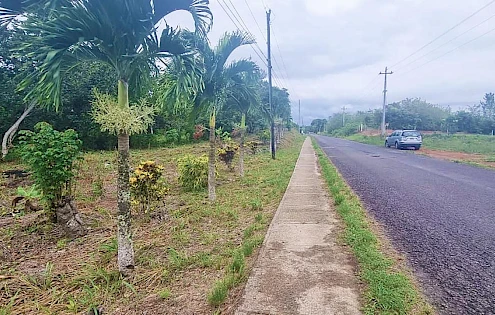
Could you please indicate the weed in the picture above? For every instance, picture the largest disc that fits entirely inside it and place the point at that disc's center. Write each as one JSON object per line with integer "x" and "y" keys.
{"x": 238, "y": 262}
{"x": 256, "y": 204}
{"x": 109, "y": 247}
{"x": 97, "y": 187}
{"x": 62, "y": 243}
{"x": 208, "y": 238}
{"x": 165, "y": 294}
{"x": 249, "y": 245}
{"x": 248, "y": 232}
{"x": 338, "y": 199}
{"x": 176, "y": 259}
{"x": 221, "y": 290}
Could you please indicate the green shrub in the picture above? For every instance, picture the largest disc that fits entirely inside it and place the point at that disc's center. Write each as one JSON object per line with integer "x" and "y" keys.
{"x": 172, "y": 136}
{"x": 146, "y": 184}
{"x": 51, "y": 156}
{"x": 193, "y": 172}
{"x": 264, "y": 136}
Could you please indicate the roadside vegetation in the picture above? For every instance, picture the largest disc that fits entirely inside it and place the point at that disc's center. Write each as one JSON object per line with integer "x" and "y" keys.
{"x": 477, "y": 150}
{"x": 141, "y": 224}
{"x": 192, "y": 256}
{"x": 463, "y": 136}
{"x": 389, "y": 286}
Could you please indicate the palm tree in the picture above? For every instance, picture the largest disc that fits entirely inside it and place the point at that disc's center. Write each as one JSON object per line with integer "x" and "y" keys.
{"x": 220, "y": 80}
{"x": 245, "y": 96}
{"x": 121, "y": 33}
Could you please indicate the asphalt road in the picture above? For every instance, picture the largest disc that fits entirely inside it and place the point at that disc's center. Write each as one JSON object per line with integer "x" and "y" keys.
{"x": 440, "y": 214}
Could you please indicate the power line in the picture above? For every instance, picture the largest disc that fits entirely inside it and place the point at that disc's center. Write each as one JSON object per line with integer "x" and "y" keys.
{"x": 448, "y": 42}
{"x": 448, "y": 52}
{"x": 241, "y": 26}
{"x": 262, "y": 55}
{"x": 444, "y": 33}
{"x": 255, "y": 20}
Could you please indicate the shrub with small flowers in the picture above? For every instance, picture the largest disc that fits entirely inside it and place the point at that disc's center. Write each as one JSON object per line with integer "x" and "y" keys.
{"x": 147, "y": 185}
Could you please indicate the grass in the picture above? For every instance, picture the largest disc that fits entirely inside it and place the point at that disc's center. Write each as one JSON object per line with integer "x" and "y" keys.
{"x": 389, "y": 290}
{"x": 476, "y": 150}
{"x": 466, "y": 143}
{"x": 198, "y": 250}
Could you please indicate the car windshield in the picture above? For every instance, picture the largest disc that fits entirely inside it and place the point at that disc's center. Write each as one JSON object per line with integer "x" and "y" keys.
{"x": 411, "y": 134}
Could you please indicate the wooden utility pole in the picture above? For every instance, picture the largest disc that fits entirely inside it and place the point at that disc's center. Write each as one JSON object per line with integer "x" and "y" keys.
{"x": 384, "y": 100}
{"x": 270, "y": 101}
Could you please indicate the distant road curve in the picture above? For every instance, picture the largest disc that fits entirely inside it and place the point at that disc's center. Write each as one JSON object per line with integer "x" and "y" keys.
{"x": 440, "y": 214}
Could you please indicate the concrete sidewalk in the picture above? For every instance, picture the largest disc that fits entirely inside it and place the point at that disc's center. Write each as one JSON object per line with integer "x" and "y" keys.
{"x": 301, "y": 269}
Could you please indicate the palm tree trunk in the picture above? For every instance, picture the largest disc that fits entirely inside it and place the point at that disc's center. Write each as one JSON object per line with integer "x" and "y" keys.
{"x": 211, "y": 159}
{"x": 241, "y": 145}
{"x": 125, "y": 257}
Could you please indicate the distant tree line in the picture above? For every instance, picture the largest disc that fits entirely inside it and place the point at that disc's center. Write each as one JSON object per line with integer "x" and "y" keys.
{"x": 414, "y": 113}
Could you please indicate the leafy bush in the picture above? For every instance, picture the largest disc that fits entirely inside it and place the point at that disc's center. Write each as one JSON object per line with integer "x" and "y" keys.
{"x": 172, "y": 136}
{"x": 254, "y": 146}
{"x": 264, "y": 136}
{"x": 193, "y": 172}
{"x": 146, "y": 184}
{"x": 51, "y": 156}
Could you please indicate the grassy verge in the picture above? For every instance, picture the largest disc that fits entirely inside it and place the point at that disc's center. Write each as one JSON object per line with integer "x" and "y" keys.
{"x": 476, "y": 150}
{"x": 389, "y": 289}
{"x": 375, "y": 140}
{"x": 466, "y": 143}
{"x": 192, "y": 256}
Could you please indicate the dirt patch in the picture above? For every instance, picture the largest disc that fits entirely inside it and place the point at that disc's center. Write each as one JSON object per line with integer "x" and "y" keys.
{"x": 458, "y": 157}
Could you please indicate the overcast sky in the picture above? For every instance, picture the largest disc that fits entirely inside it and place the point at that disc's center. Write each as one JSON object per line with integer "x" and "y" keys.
{"x": 333, "y": 50}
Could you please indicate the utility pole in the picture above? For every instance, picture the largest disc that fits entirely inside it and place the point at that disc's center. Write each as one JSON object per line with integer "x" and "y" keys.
{"x": 272, "y": 114}
{"x": 299, "y": 123}
{"x": 384, "y": 100}
{"x": 343, "y": 116}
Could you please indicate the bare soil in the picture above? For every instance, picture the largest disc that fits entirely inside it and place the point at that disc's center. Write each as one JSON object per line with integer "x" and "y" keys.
{"x": 458, "y": 157}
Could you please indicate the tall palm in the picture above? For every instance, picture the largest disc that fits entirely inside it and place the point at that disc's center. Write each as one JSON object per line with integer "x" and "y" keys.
{"x": 220, "y": 79}
{"x": 245, "y": 97}
{"x": 122, "y": 33}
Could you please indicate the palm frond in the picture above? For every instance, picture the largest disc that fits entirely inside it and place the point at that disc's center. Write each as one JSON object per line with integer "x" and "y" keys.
{"x": 238, "y": 67}
{"x": 226, "y": 46}
{"x": 203, "y": 18}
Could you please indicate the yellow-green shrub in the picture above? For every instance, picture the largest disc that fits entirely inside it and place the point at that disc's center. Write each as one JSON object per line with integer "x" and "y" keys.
{"x": 193, "y": 172}
{"x": 146, "y": 184}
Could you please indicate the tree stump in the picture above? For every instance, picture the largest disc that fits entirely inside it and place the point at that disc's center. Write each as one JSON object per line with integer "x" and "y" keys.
{"x": 68, "y": 217}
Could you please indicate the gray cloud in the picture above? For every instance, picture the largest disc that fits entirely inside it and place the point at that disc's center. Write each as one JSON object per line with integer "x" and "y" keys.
{"x": 333, "y": 49}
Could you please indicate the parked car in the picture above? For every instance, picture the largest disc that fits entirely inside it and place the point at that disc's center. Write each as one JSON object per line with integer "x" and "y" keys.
{"x": 402, "y": 139}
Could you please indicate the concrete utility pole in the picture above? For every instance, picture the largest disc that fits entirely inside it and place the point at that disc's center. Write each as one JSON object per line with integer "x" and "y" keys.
{"x": 384, "y": 100}
{"x": 269, "y": 50}
{"x": 343, "y": 116}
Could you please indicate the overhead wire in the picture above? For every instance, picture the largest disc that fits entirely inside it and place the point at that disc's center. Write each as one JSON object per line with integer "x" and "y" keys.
{"x": 241, "y": 26}
{"x": 450, "y": 51}
{"x": 444, "y": 33}
{"x": 446, "y": 43}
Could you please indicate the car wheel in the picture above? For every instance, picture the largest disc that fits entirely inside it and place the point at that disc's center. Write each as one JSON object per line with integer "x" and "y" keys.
{"x": 397, "y": 146}
{"x": 386, "y": 144}
{"x": 417, "y": 148}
